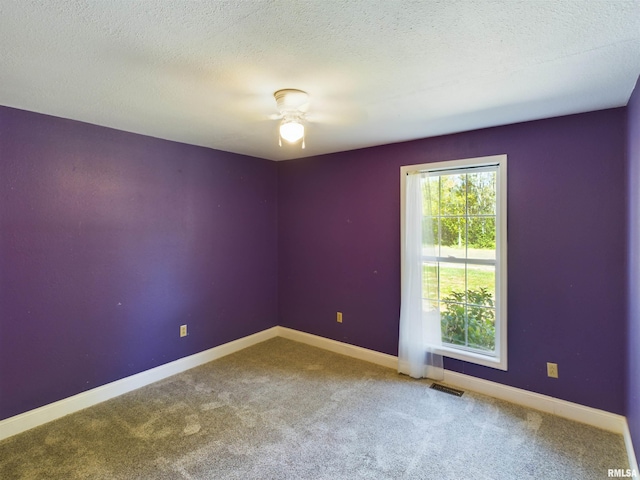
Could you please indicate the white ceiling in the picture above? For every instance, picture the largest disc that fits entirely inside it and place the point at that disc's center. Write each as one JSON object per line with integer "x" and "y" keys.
{"x": 377, "y": 71}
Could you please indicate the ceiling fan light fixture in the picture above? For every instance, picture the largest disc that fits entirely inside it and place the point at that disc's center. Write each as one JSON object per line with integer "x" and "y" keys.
{"x": 291, "y": 130}
{"x": 292, "y": 106}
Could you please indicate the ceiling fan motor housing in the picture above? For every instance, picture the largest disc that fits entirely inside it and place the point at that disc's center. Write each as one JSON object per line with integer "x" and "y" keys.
{"x": 291, "y": 100}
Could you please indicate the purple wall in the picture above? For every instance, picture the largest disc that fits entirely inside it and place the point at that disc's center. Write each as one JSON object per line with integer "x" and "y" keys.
{"x": 339, "y": 249}
{"x": 633, "y": 338}
{"x": 110, "y": 240}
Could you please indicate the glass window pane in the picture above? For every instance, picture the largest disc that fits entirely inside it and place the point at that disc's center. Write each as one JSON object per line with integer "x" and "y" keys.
{"x": 481, "y": 323}
{"x": 428, "y": 306}
{"x": 431, "y": 195}
{"x": 430, "y": 236}
{"x": 430, "y": 281}
{"x": 453, "y": 323}
{"x": 482, "y": 237}
{"x": 481, "y": 193}
{"x": 453, "y": 237}
{"x": 481, "y": 285}
{"x": 452, "y": 282}
{"x": 453, "y": 194}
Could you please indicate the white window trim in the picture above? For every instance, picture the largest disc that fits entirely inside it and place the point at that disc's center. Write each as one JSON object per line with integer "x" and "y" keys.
{"x": 499, "y": 361}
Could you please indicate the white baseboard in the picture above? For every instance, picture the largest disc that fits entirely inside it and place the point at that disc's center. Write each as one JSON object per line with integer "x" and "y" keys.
{"x": 360, "y": 353}
{"x": 631, "y": 454}
{"x": 562, "y": 408}
{"x": 39, "y": 416}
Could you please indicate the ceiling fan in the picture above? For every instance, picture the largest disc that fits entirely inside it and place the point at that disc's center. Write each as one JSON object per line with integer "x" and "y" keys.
{"x": 296, "y": 113}
{"x": 292, "y": 107}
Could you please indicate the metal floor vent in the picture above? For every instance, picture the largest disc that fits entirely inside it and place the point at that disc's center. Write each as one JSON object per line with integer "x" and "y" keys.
{"x": 449, "y": 390}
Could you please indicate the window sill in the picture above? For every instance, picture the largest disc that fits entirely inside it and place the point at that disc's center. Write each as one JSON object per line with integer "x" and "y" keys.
{"x": 472, "y": 357}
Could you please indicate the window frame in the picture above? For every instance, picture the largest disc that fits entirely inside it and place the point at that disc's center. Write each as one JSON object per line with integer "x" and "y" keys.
{"x": 499, "y": 360}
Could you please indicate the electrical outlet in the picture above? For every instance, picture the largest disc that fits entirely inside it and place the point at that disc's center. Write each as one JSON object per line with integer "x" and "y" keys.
{"x": 552, "y": 370}
{"x": 339, "y": 317}
{"x": 183, "y": 330}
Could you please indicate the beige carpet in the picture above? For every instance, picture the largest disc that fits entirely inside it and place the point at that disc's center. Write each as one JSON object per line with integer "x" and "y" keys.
{"x": 283, "y": 410}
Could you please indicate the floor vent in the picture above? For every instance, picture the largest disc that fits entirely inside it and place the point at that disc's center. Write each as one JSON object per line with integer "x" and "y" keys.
{"x": 449, "y": 390}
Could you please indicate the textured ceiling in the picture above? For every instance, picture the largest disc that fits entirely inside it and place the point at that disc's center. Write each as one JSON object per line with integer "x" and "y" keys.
{"x": 377, "y": 71}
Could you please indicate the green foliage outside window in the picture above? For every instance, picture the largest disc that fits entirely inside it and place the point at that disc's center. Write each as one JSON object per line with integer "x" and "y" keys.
{"x": 469, "y": 321}
{"x": 463, "y": 206}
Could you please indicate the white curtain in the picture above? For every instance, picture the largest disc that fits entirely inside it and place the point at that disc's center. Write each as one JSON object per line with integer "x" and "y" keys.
{"x": 420, "y": 331}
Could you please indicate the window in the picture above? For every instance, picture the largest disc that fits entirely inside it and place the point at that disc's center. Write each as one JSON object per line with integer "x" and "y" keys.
{"x": 463, "y": 255}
